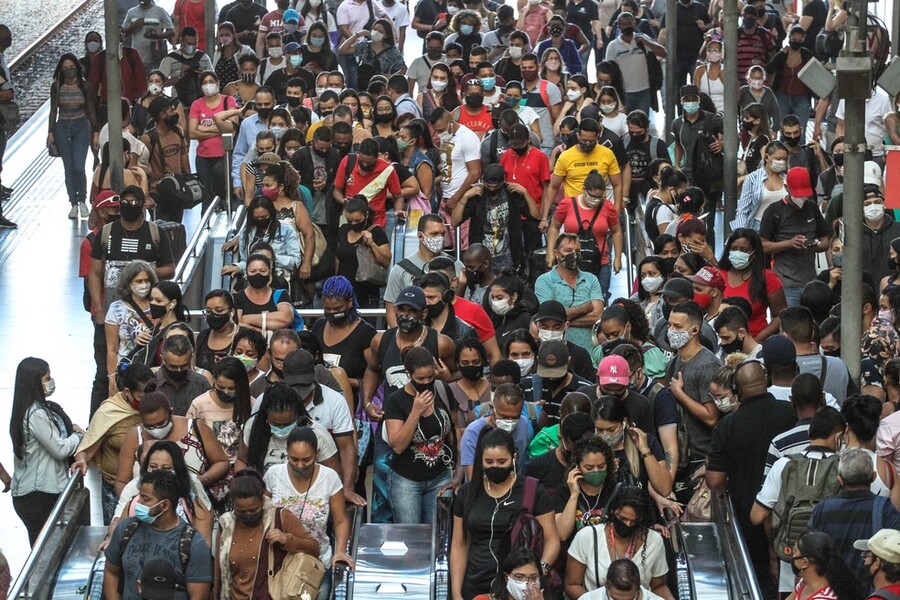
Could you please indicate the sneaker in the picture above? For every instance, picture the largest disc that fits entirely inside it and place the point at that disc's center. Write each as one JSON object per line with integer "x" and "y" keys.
{"x": 73, "y": 212}
{"x": 7, "y": 224}
{"x": 83, "y": 211}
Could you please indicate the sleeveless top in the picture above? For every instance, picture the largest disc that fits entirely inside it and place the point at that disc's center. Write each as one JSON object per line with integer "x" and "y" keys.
{"x": 71, "y": 103}
{"x": 714, "y": 88}
{"x": 191, "y": 447}
{"x": 395, "y": 376}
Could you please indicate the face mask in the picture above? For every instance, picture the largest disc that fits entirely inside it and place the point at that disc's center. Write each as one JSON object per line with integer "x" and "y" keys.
{"x": 435, "y": 310}
{"x": 836, "y": 260}
{"x": 293, "y": 101}
{"x": 93, "y": 47}
{"x": 795, "y": 45}
{"x": 529, "y": 75}
{"x": 516, "y": 589}
{"x": 384, "y": 118}
{"x": 622, "y": 530}
{"x": 248, "y": 362}
{"x": 172, "y": 120}
{"x": 666, "y": 310}
{"x": 409, "y": 324}
{"x": 270, "y": 193}
{"x": 157, "y": 312}
{"x": 501, "y": 307}
{"x": 154, "y": 89}
{"x": 433, "y": 244}
{"x": 651, "y": 284}
{"x": 793, "y": 142}
{"x": 315, "y": 3}
{"x": 756, "y": 84}
{"x": 161, "y": 433}
{"x": 140, "y": 289}
{"x": 317, "y": 42}
{"x": 886, "y": 314}
{"x": 778, "y": 166}
{"x": 874, "y": 212}
{"x": 474, "y": 278}
{"x": 570, "y": 261}
{"x": 525, "y": 365}
{"x": 226, "y": 397}
{"x": 747, "y": 125}
{"x": 276, "y": 52}
{"x": 798, "y": 202}
{"x": 376, "y": 35}
{"x": 678, "y": 339}
{"x": 702, "y": 300}
{"x": 217, "y": 321}
{"x": 49, "y": 387}
{"x": 498, "y": 475}
{"x": 488, "y": 83}
{"x": 838, "y": 160}
{"x": 402, "y": 145}
{"x": 573, "y": 95}
{"x": 594, "y": 478}
{"x": 724, "y": 404}
{"x": 591, "y": 201}
{"x": 739, "y": 259}
{"x": 258, "y": 281}
{"x": 263, "y": 113}
{"x": 250, "y": 519}
{"x": 471, "y": 372}
{"x": 438, "y": 86}
{"x": 290, "y": 27}
{"x": 476, "y": 101}
{"x": 319, "y": 92}
{"x": 508, "y": 425}
{"x": 748, "y": 22}
{"x": 735, "y": 345}
{"x": 435, "y": 53}
{"x": 303, "y": 472}
{"x": 278, "y": 132}
{"x": 691, "y": 108}
{"x": 466, "y": 29}
{"x": 188, "y": 50}
{"x": 587, "y": 147}
{"x": 548, "y": 335}
{"x": 423, "y": 387}
{"x": 714, "y": 57}
{"x": 516, "y": 51}
{"x": 556, "y": 31}
{"x": 210, "y": 89}
{"x": 615, "y": 439}
{"x": 176, "y": 376}
{"x": 225, "y": 40}
{"x": 282, "y": 433}
{"x": 521, "y": 151}
{"x": 142, "y": 513}
{"x": 130, "y": 212}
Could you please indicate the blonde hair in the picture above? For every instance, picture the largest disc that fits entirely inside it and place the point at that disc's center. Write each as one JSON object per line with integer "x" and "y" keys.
{"x": 724, "y": 377}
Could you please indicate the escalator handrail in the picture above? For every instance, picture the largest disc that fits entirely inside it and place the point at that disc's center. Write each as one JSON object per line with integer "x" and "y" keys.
{"x": 399, "y": 234}
{"x": 342, "y": 574}
{"x": 191, "y": 249}
{"x": 74, "y": 484}
{"x": 746, "y": 565}
{"x": 237, "y": 223}
{"x": 684, "y": 575}
{"x": 440, "y": 546}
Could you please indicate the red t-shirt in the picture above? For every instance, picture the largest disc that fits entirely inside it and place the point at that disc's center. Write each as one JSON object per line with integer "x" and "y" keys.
{"x": 758, "y": 319}
{"x": 824, "y": 593}
{"x": 359, "y": 181}
{"x": 565, "y": 216}
{"x": 531, "y": 171}
{"x": 190, "y": 13}
{"x": 480, "y": 123}
{"x": 474, "y": 316}
{"x": 210, "y": 147}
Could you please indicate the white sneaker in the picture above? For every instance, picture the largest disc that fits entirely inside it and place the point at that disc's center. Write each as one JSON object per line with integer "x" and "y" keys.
{"x": 73, "y": 212}
{"x": 83, "y": 211}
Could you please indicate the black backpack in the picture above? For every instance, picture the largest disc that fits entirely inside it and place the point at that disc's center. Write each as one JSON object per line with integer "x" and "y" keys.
{"x": 188, "y": 86}
{"x": 591, "y": 255}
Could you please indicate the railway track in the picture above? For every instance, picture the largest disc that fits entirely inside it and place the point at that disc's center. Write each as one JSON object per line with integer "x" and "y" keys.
{"x": 33, "y": 48}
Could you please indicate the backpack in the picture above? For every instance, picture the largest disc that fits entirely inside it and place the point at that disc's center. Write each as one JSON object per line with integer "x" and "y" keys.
{"x": 410, "y": 267}
{"x": 184, "y": 550}
{"x": 299, "y": 324}
{"x": 188, "y": 86}
{"x": 804, "y": 483}
{"x": 650, "y": 225}
{"x": 526, "y": 530}
{"x": 591, "y": 254}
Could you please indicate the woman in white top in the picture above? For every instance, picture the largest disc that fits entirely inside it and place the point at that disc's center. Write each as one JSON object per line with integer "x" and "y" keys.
{"x": 611, "y": 108}
{"x": 708, "y": 77}
{"x": 863, "y": 416}
{"x": 762, "y": 187}
{"x": 623, "y": 536}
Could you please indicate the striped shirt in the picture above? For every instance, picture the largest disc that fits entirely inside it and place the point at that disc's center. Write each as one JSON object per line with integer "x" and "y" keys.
{"x": 791, "y": 442}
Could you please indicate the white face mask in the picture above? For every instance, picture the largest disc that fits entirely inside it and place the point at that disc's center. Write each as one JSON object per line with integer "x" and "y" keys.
{"x": 502, "y": 306}
{"x": 798, "y": 202}
{"x": 652, "y": 284}
{"x": 874, "y": 212}
{"x": 508, "y": 425}
{"x": 315, "y": 3}
{"x": 140, "y": 289}
{"x": 525, "y": 365}
{"x": 153, "y": 89}
{"x": 276, "y": 52}
{"x": 714, "y": 57}
{"x": 516, "y": 51}
{"x": 320, "y": 90}
{"x": 160, "y": 433}
{"x": 93, "y": 47}
{"x": 607, "y": 108}
{"x": 49, "y": 387}
{"x": 516, "y": 589}
{"x": 547, "y": 335}
{"x": 376, "y": 35}
{"x": 756, "y": 84}
{"x": 778, "y": 166}
{"x": 573, "y": 95}
{"x": 725, "y": 405}
{"x": 210, "y": 89}
{"x": 434, "y": 244}
{"x": 438, "y": 86}
{"x": 188, "y": 50}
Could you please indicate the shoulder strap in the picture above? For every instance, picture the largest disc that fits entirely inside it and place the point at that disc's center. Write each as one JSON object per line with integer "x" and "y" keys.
{"x": 530, "y": 496}
{"x": 351, "y": 163}
{"x": 410, "y": 267}
{"x": 129, "y": 532}
{"x": 495, "y": 142}
{"x": 596, "y": 531}
{"x": 154, "y": 233}
{"x": 104, "y": 237}
{"x": 537, "y": 388}
{"x": 130, "y": 302}
{"x": 654, "y": 147}
{"x": 823, "y": 373}
{"x": 184, "y": 546}
{"x": 442, "y": 395}
{"x": 386, "y": 338}
{"x": 544, "y": 95}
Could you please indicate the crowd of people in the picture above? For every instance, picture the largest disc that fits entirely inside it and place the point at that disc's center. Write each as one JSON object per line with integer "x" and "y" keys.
{"x": 505, "y": 374}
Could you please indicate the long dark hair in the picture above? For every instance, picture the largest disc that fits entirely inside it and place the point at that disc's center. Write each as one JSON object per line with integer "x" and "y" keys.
{"x": 820, "y": 550}
{"x": 640, "y": 326}
{"x": 279, "y": 397}
{"x": 233, "y": 369}
{"x": 489, "y": 438}
{"x": 28, "y": 390}
{"x": 57, "y": 72}
{"x": 757, "y": 262}
{"x": 664, "y": 268}
{"x": 518, "y": 557}
{"x": 272, "y": 230}
{"x": 178, "y": 466}
{"x": 172, "y": 291}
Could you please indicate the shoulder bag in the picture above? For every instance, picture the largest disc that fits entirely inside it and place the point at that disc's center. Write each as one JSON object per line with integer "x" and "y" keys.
{"x": 299, "y": 576}
{"x": 368, "y": 270}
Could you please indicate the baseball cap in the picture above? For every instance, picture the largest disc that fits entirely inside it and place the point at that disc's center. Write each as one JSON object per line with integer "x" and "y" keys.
{"x": 158, "y": 580}
{"x": 553, "y": 359}
{"x": 106, "y": 199}
{"x": 709, "y": 276}
{"x": 613, "y": 370}
{"x": 300, "y": 371}
{"x": 494, "y": 174}
{"x": 798, "y": 183}
{"x": 689, "y": 90}
{"x": 159, "y": 104}
{"x": 885, "y": 545}
{"x": 518, "y": 133}
{"x": 291, "y": 47}
{"x": 678, "y": 287}
{"x": 872, "y": 174}
{"x": 132, "y": 190}
{"x": 268, "y": 158}
{"x": 411, "y": 296}
{"x": 551, "y": 309}
{"x": 777, "y": 349}
{"x": 290, "y": 15}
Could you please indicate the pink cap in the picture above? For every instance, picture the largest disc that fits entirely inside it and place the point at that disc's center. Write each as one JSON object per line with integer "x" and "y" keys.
{"x": 613, "y": 370}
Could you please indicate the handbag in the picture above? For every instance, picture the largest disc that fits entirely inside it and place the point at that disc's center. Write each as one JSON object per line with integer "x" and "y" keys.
{"x": 181, "y": 190}
{"x": 368, "y": 270}
{"x": 699, "y": 507}
{"x": 53, "y": 150}
{"x": 10, "y": 114}
{"x": 299, "y": 577}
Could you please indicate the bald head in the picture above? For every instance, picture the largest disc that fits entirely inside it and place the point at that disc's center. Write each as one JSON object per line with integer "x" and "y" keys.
{"x": 478, "y": 252}
{"x": 750, "y": 379}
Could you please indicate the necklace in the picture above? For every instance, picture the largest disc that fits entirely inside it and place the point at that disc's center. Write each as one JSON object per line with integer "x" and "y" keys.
{"x": 586, "y": 515}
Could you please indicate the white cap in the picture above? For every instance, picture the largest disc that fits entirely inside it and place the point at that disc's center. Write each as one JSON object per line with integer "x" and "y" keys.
{"x": 872, "y": 174}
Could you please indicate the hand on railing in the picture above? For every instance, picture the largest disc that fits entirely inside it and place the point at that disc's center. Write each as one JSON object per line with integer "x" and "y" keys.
{"x": 343, "y": 558}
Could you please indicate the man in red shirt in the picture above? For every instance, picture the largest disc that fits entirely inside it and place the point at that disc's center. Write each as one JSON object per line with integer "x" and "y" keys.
{"x": 134, "y": 78}
{"x": 529, "y": 167}
{"x": 473, "y": 113}
{"x": 370, "y": 176}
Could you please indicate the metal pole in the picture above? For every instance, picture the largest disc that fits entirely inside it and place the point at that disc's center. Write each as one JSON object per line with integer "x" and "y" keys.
{"x": 209, "y": 19}
{"x": 628, "y": 249}
{"x": 671, "y": 86}
{"x": 854, "y": 158}
{"x": 114, "y": 94}
{"x": 895, "y": 26}
{"x": 730, "y": 118}
{"x": 228, "y": 146}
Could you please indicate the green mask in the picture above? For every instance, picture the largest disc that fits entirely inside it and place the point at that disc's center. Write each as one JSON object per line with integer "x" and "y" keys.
{"x": 594, "y": 478}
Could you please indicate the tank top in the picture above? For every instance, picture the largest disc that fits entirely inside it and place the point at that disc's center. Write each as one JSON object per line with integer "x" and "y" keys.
{"x": 395, "y": 376}
{"x": 714, "y": 88}
{"x": 71, "y": 103}
{"x": 480, "y": 123}
{"x": 191, "y": 447}
{"x": 768, "y": 198}
{"x": 790, "y": 83}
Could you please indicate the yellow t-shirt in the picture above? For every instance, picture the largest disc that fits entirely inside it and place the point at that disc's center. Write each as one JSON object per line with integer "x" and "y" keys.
{"x": 573, "y": 166}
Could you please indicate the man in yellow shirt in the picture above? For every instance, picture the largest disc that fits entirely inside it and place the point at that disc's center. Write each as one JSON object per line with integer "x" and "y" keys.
{"x": 574, "y": 165}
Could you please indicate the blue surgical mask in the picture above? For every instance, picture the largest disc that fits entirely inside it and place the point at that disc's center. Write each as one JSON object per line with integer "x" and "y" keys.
{"x": 488, "y": 83}
{"x": 466, "y": 29}
{"x": 318, "y": 42}
{"x": 281, "y": 433}
{"x": 296, "y": 60}
{"x": 142, "y": 513}
{"x": 691, "y": 108}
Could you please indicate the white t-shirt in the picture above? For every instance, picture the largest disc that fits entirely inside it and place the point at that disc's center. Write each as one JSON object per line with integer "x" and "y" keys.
{"x": 463, "y": 147}
{"x": 277, "y": 453}
{"x": 618, "y": 124}
{"x": 876, "y": 107}
{"x": 313, "y": 507}
{"x": 782, "y": 392}
{"x": 398, "y": 13}
{"x": 632, "y": 62}
{"x": 333, "y": 413}
{"x": 527, "y": 115}
{"x": 600, "y": 594}
{"x": 582, "y": 550}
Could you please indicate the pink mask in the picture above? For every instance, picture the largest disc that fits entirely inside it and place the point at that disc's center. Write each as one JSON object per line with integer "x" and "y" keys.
{"x": 270, "y": 193}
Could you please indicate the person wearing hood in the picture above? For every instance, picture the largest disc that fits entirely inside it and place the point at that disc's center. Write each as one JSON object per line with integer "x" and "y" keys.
{"x": 880, "y": 229}
{"x": 509, "y": 304}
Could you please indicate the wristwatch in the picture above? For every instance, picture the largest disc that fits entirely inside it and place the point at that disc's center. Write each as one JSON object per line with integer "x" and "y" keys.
{"x": 545, "y": 568}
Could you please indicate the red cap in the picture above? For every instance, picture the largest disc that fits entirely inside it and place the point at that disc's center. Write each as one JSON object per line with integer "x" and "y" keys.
{"x": 709, "y": 276}
{"x": 106, "y": 199}
{"x": 798, "y": 183}
{"x": 613, "y": 370}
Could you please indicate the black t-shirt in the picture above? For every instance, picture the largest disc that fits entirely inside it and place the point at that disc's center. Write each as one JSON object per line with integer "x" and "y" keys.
{"x": 427, "y": 11}
{"x": 547, "y": 469}
{"x": 640, "y": 155}
{"x": 432, "y": 452}
{"x": 508, "y": 70}
{"x": 326, "y": 61}
{"x": 243, "y": 303}
{"x": 690, "y": 38}
{"x": 244, "y": 18}
{"x": 613, "y": 142}
{"x": 664, "y": 405}
{"x": 582, "y": 14}
{"x": 551, "y": 402}
{"x": 205, "y": 356}
{"x": 638, "y": 408}
{"x": 348, "y": 265}
{"x": 625, "y": 474}
{"x": 348, "y": 353}
{"x": 278, "y": 82}
{"x": 819, "y": 13}
{"x": 488, "y": 526}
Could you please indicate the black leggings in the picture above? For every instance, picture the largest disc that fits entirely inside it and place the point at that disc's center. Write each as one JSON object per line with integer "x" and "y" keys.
{"x": 33, "y": 509}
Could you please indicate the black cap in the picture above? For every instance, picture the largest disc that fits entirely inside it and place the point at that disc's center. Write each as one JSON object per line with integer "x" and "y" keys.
{"x": 689, "y": 90}
{"x": 411, "y": 296}
{"x": 158, "y": 580}
{"x": 518, "y": 133}
{"x": 553, "y": 359}
{"x": 591, "y": 111}
{"x": 300, "y": 372}
{"x": 778, "y": 350}
{"x": 551, "y": 309}
{"x": 158, "y": 105}
{"x": 678, "y": 287}
{"x": 133, "y": 190}
{"x": 494, "y": 174}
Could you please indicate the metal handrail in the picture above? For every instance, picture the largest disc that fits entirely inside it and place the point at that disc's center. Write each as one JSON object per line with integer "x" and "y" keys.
{"x": 342, "y": 574}
{"x": 400, "y": 227}
{"x": 191, "y": 251}
{"x": 745, "y": 583}
{"x": 440, "y": 547}
{"x": 72, "y": 486}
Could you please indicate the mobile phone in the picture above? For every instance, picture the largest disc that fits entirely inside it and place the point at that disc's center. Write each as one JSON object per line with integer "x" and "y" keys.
{"x": 812, "y": 243}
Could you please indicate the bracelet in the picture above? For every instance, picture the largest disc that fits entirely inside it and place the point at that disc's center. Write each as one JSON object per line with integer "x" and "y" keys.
{"x": 544, "y": 219}
{"x": 646, "y": 454}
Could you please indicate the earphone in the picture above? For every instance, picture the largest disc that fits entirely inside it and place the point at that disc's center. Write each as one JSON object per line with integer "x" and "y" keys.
{"x": 734, "y": 386}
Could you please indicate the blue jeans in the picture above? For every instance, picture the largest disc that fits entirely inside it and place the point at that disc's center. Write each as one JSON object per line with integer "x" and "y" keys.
{"x": 794, "y": 105}
{"x": 350, "y": 69}
{"x": 638, "y": 101}
{"x": 414, "y": 501}
{"x": 605, "y": 277}
{"x": 73, "y": 138}
{"x": 792, "y": 295}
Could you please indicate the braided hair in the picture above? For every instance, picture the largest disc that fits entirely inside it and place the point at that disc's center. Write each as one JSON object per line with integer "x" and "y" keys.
{"x": 339, "y": 286}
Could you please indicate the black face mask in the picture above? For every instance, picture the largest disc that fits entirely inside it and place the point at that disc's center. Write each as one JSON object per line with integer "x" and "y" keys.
{"x": 570, "y": 261}
{"x": 361, "y": 226}
{"x": 157, "y": 311}
{"x": 666, "y": 310}
{"x": 472, "y": 372}
{"x": 834, "y": 353}
{"x": 217, "y": 321}
{"x": 795, "y": 569}
{"x": 474, "y": 278}
{"x": 384, "y": 118}
{"x": 435, "y": 54}
{"x": 303, "y": 473}
{"x": 261, "y": 224}
{"x": 734, "y": 346}
{"x": 130, "y": 212}
{"x": 556, "y": 31}
{"x": 364, "y": 168}
{"x": 498, "y": 475}
{"x": 476, "y": 101}
{"x": 838, "y": 160}
{"x": 226, "y": 397}
{"x": 278, "y": 372}
{"x": 293, "y": 101}
{"x": 628, "y": 31}
{"x": 409, "y": 324}
{"x": 622, "y": 530}
{"x": 521, "y": 151}
{"x": 320, "y": 153}
{"x": 344, "y": 150}
{"x": 251, "y": 519}
{"x": 423, "y": 387}
{"x": 435, "y": 310}
{"x": 263, "y": 113}
{"x": 176, "y": 376}
{"x": 793, "y": 142}
{"x": 587, "y": 147}
{"x": 795, "y": 45}
{"x": 747, "y": 125}
{"x": 258, "y": 281}
{"x": 172, "y": 120}
{"x": 338, "y": 318}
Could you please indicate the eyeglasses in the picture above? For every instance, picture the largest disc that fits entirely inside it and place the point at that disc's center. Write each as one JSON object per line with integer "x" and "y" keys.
{"x": 131, "y": 201}
{"x": 522, "y": 578}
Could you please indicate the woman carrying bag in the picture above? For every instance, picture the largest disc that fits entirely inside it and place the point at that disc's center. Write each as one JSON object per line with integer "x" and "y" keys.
{"x": 256, "y": 543}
